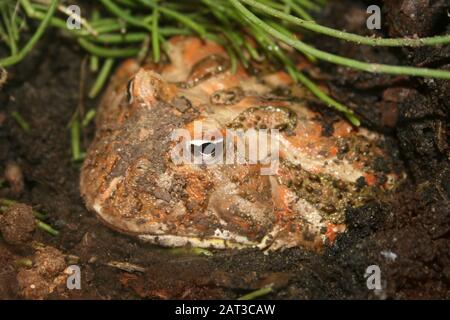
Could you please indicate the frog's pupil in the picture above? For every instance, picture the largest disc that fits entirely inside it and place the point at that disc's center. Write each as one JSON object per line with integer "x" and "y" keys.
{"x": 205, "y": 149}
{"x": 208, "y": 149}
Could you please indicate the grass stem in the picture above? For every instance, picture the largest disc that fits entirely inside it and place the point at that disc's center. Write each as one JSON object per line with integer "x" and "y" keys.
{"x": 257, "y": 293}
{"x": 21, "y": 121}
{"x": 47, "y": 228}
{"x": 336, "y": 59}
{"x": 312, "y": 26}
{"x": 34, "y": 39}
{"x": 101, "y": 78}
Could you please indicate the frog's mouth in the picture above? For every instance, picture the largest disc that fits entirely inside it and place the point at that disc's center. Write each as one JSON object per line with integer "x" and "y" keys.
{"x": 223, "y": 239}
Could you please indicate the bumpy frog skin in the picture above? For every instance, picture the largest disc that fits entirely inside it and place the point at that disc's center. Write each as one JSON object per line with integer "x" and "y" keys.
{"x": 131, "y": 182}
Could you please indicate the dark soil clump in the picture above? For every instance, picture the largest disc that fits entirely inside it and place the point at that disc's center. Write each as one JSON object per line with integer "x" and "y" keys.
{"x": 17, "y": 224}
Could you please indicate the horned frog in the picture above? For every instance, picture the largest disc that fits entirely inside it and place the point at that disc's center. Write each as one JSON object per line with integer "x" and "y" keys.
{"x": 130, "y": 179}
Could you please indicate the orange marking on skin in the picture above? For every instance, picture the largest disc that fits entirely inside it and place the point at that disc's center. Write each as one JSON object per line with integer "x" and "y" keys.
{"x": 278, "y": 79}
{"x": 304, "y": 63}
{"x": 333, "y": 151}
{"x": 308, "y": 138}
{"x": 370, "y": 178}
{"x": 282, "y": 153}
{"x": 158, "y": 214}
{"x": 110, "y": 189}
{"x": 314, "y": 130}
{"x": 284, "y": 77}
{"x": 191, "y": 126}
{"x": 333, "y": 230}
{"x": 330, "y": 234}
{"x": 195, "y": 50}
{"x": 274, "y": 103}
{"x": 122, "y": 117}
{"x": 176, "y": 40}
{"x": 358, "y": 165}
{"x": 281, "y": 201}
{"x": 168, "y": 68}
{"x": 342, "y": 129}
{"x": 191, "y": 50}
{"x": 196, "y": 188}
{"x": 245, "y": 103}
{"x": 127, "y": 69}
{"x": 209, "y": 87}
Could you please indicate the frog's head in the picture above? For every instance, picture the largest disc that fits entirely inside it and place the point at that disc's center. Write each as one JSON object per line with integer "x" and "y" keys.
{"x": 131, "y": 180}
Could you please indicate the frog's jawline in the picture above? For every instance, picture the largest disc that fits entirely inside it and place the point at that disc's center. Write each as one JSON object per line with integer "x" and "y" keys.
{"x": 223, "y": 240}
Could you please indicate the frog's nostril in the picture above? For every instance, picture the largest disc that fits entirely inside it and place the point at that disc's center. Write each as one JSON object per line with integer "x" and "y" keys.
{"x": 130, "y": 87}
{"x": 227, "y": 97}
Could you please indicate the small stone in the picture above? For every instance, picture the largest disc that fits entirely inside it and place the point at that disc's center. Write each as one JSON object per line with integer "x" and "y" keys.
{"x": 17, "y": 224}
{"x": 3, "y": 76}
{"x": 49, "y": 261}
{"x": 14, "y": 176}
{"x": 72, "y": 259}
{"x": 92, "y": 259}
{"x": 32, "y": 285}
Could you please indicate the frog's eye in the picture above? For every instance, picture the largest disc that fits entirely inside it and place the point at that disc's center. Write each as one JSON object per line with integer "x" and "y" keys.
{"x": 207, "y": 150}
{"x": 227, "y": 97}
{"x": 130, "y": 87}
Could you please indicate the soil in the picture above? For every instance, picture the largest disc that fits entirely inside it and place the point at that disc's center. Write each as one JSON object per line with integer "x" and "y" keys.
{"x": 408, "y": 238}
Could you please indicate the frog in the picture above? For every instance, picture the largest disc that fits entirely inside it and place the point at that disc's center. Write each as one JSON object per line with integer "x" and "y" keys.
{"x": 132, "y": 182}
